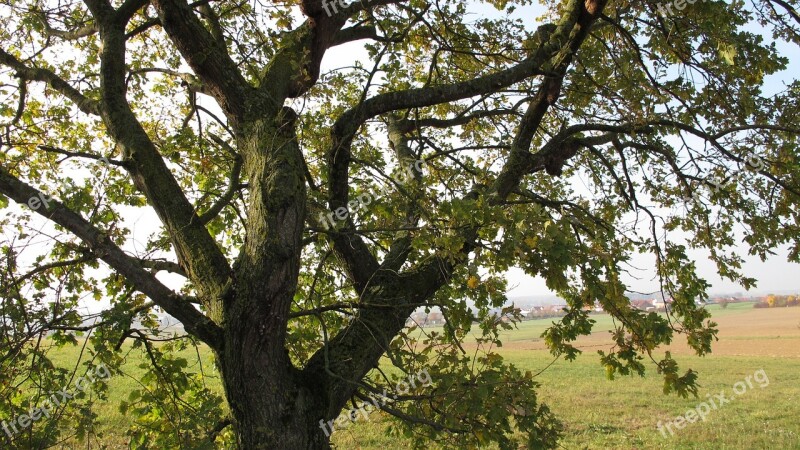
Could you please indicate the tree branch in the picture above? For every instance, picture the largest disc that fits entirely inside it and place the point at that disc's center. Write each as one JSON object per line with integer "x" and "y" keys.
{"x": 197, "y": 251}
{"x": 225, "y": 199}
{"x": 70, "y": 154}
{"x": 193, "y": 320}
{"x": 207, "y": 57}
{"x": 357, "y": 33}
{"x": 86, "y": 105}
{"x": 372, "y": 331}
{"x": 162, "y": 265}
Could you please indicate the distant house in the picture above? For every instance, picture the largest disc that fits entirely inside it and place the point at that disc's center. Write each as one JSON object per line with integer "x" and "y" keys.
{"x": 644, "y": 305}
{"x": 534, "y": 312}
{"x": 596, "y": 307}
{"x": 660, "y": 304}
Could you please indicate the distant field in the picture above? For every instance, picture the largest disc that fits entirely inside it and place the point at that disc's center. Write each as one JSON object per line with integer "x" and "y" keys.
{"x": 622, "y": 414}
{"x": 744, "y": 331}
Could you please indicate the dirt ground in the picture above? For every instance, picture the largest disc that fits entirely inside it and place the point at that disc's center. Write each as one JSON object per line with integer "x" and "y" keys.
{"x": 758, "y": 332}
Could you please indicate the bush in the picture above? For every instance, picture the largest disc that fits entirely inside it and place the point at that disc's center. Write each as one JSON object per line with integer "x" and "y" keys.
{"x": 771, "y": 299}
{"x": 780, "y": 301}
{"x": 761, "y": 305}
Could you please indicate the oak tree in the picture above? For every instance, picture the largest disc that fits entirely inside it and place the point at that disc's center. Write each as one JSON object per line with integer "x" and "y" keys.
{"x": 564, "y": 138}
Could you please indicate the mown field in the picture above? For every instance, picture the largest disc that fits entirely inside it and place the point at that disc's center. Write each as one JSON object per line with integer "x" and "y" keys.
{"x": 619, "y": 414}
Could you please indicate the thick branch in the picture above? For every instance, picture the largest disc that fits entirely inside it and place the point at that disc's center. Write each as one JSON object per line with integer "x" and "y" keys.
{"x": 296, "y": 65}
{"x": 358, "y": 33}
{"x": 388, "y": 301}
{"x": 162, "y": 265}
{"x": 83, "y": 103}
{"x": 193, "y": 320}
{"x": 520, "y": 160}
{"x": 207, "y": 56}
{"x": 371, "y": 332}
{"x": 197, "y": 251}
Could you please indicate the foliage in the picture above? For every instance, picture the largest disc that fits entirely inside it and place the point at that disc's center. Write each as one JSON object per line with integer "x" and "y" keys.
{"x": 563, "y": 138}
{"x": 778, "y": 301}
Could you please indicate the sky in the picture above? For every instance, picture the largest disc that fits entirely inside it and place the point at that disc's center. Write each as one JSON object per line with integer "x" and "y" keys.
{"x": 774, "y": 275}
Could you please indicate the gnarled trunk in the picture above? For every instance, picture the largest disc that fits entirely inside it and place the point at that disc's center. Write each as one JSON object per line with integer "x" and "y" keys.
{"x": 271, "y": 406}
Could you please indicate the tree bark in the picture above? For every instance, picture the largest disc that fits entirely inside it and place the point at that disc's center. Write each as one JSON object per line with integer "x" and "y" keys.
{"x": 272, "y": 405}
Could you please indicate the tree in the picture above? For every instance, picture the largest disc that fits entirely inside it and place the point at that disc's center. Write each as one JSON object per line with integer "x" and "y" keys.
{"x": 723, "y": 303}
{"x": 273, "y": 173}
{"x": 772, "y": 300}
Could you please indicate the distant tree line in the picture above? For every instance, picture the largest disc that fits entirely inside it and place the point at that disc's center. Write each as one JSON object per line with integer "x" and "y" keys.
{"x": 778, "y": 301}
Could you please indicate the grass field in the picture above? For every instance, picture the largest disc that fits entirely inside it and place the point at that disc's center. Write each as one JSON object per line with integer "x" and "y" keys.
{"x": 622, "y": 414}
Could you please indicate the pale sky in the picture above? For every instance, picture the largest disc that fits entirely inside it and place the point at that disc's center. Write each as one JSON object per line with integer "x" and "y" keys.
{"x": 774, "y": 275}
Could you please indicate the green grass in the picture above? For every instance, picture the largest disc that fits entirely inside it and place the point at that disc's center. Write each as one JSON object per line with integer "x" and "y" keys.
{"x": 623, "y": 414}
{"x": 733, "y": 308}
{"x": 597, "y": 413}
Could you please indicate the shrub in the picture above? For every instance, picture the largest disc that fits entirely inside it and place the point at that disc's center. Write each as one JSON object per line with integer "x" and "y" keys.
{"x": 771, "y": 300}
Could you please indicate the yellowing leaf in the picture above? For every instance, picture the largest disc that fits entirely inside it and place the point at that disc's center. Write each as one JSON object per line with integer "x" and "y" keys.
{"x": 728, "y": 53}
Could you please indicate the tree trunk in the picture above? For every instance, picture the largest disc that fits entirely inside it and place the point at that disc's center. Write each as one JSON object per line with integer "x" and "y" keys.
{"x": 273, "y": 407}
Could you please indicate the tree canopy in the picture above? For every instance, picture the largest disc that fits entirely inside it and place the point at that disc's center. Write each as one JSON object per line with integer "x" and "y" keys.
{"x": 292, "y": 180}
